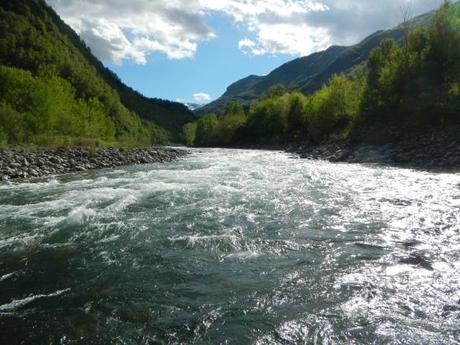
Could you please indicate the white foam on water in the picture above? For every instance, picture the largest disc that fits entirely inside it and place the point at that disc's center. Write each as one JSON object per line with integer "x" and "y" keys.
{"x": 109, "y": 239}
{"x": 24, "y": 239}
{"x": 206, "y": 240}
{"x": 81, "y": 215}
{"x": 7, "y": 276}
{"x": 244, "y": 255}
{"x": 52, "y": 182}
{"x": 24, "y": 301}
{"x": 295, "y": 215}
{"x": 120, "y": 205}
{"x": 398, "y": 269}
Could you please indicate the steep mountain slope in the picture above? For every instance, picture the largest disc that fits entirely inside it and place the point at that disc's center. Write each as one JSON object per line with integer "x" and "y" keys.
{"x": 37, "y": 45}
{"x": 309, "y": 73}
{"x": 406, "y": 96}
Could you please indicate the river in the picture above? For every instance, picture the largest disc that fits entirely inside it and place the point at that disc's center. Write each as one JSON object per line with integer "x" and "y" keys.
{"x": 232, "y": 247}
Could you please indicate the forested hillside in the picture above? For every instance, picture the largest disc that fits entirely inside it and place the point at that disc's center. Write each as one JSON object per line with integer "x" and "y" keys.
{"x": 54, "y": 91}
{"x": 409, "y": 86}
{"x": 309, "y": 73}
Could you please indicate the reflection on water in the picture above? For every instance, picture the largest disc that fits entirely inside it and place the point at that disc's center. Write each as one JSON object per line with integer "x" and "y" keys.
{"x": 232, "y": 246}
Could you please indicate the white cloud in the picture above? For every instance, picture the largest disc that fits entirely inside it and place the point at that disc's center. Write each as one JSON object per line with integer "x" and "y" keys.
{"x": 286, "y": 39}
{"x": 301, "y": 27}
{"x": 108, "y": 42}
{"x": 248, "y": 46}
{"x": 201, "y": 97}
{"x": 279, "y": 26}
{"x": 117, "y": 30}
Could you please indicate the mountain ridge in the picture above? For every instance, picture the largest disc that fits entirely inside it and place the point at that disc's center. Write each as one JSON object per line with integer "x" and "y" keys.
{"x": 308, "y": 73}
{"x": 34, "y": 38}
{"x": 128, "y": 95}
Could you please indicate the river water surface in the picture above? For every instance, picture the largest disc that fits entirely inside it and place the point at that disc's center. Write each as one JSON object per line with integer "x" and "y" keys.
{"x": 232, "y": 247}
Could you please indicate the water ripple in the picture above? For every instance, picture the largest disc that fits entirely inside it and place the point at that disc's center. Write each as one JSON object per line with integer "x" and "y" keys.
{"x": 232, "y": 246}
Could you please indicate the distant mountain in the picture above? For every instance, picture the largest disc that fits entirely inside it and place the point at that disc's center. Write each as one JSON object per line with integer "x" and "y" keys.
{"x": 193, "y": 106}
{"x": 34, "y": 39}
{"x": 307, "y": 74}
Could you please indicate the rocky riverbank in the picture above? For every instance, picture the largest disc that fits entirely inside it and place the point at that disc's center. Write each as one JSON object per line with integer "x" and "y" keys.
{"x": 419, "y": 152}
{"x": 22, "y": 163}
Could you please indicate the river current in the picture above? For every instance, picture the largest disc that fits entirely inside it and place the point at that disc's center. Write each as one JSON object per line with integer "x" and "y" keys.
{"x": 232, "y": 247}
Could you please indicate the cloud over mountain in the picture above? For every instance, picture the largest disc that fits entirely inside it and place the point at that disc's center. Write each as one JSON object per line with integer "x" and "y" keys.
{"x": 118, "y": 30}
{"x": 201, "y": 97}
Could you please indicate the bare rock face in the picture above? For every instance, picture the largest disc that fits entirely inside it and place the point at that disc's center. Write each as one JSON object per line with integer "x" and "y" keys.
{"x": 22, "y": 163}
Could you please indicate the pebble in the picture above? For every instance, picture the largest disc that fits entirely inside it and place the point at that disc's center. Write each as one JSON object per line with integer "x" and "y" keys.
{"x": 18, "y": 163}
{"x": 426, "y": 152}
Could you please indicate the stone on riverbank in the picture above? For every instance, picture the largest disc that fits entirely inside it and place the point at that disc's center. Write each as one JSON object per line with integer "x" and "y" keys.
{"x": 23, "y": 163}
{"x": 421, "y": 152}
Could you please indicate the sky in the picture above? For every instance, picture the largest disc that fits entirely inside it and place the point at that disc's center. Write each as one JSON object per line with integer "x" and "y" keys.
{"x": 192, "y": 50}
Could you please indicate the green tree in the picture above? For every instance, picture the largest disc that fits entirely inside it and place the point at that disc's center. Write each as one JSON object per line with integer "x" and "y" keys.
{"x": 332, "y": 108}
{"x": 233, "y": 108}
{"x": 274, "y": 91}
{"x": 11, "y": 125}
{"x": 267, "y": 121}
{"x": 205, "y": 130}
{"x": 297, "y": 124}
{"x": 51, "y": 78}
{"x": 189, "y": 133}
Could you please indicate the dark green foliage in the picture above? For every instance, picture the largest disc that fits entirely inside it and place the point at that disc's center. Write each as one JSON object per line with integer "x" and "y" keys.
{"x": 205, "y": 130}
{"x": 267, "y": 121}
{"x": 297, "y": 123}
{"x": 212, "y": 131}
{"x": 308, "y": 74}
{"x": 405, "y": 88}
{"x": 276, "y": 90}
{"x": 230, "y": 123}
{"x": 60, "y": 93}
{"x": 414, "y": 87}
{"x": 189, "y": 133}
{"x": 233, "y": 109}
{"x": 286, "y": 117}
{"x": 11, "y": 125}
{"x": 332, "y": 109}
